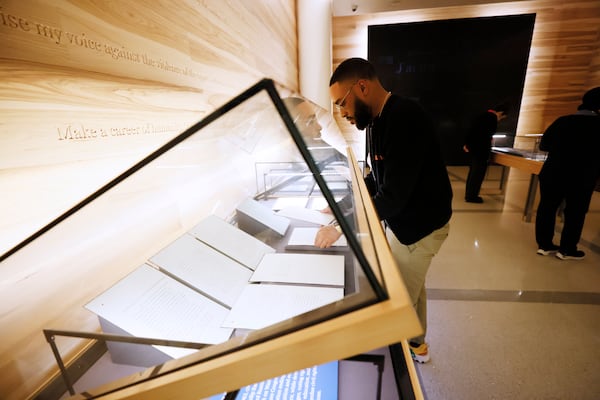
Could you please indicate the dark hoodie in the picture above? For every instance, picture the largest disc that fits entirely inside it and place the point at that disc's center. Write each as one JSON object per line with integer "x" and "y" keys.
{"x": 408, "y": 181}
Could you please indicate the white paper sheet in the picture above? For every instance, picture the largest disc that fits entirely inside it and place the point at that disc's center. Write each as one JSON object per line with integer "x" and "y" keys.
{"x": 310, "y": 269}
{"x": 283, "y": 202}
{"x": 344, "y": 171}
{"x": 204, "y": 268}
{"x": 318, "y": 203}
{"x": 261, "y": 305}
{"x": 231, "y": 241}
{"x": 336, "y": 185}
{"x": 264, "y": 215}
{"x": 305, "y": 214}
{"x": 306, "y": 237}
{"x": 148, "y": 303}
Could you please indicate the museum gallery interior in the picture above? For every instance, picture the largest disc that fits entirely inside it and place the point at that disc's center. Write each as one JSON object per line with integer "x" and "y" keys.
{"x": 165, "y": 167}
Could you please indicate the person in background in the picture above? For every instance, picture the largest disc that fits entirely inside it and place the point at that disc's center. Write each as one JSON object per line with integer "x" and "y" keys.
{"x": 408, "y": 181}
{"x": 478, "y": 143}
{"x": 569, "y": 174}
{"x": 304, "y": 116}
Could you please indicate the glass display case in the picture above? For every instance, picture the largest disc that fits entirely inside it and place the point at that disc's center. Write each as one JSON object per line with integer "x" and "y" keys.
{"x": 200, "y": 264}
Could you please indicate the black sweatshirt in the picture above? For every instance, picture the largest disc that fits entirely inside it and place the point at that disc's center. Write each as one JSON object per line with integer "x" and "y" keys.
{"x": 572, "y": 142}
{"x": 479, "y": 137}
{"x": 408, "y": 182}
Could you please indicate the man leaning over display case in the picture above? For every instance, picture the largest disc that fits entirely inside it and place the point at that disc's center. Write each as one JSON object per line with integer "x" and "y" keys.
{"x": 408, "y": 181}
{"x": 570, "y": 174}
{"x": 478, "y": 144}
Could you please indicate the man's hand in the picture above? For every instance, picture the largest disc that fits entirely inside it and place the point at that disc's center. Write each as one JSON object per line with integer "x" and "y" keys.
{"x": 326, "y": 236}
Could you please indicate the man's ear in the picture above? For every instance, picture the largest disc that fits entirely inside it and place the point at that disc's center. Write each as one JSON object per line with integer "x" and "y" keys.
{"x": 363, "y": 86}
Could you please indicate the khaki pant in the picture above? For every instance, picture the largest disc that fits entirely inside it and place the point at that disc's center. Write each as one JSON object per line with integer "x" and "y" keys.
{"x": 413, "y": 262}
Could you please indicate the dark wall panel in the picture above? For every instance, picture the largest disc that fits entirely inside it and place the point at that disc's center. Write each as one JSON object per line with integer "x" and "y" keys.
{"x": 456, "y": 68}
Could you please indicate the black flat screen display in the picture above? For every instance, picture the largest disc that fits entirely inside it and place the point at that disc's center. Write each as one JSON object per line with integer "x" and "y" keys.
{"x": 456, "y": 68}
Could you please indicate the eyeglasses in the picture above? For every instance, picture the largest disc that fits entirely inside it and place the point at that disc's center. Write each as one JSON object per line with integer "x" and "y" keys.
{"x": 342, "y": 102}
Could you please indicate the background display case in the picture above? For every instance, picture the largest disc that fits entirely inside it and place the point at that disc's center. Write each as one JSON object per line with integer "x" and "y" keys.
{"x": 204, "y": 253}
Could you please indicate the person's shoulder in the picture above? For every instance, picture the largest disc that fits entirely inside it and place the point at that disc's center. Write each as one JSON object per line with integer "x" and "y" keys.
{"x": 405, "y": 104}
{"x": 575, "y": 118}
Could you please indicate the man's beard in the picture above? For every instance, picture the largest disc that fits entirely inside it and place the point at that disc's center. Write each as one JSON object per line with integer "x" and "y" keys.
{"x": 362, "y": 114}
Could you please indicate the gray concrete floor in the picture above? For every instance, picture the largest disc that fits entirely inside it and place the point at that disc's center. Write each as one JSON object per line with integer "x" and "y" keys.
{"x": 504, "y": 322}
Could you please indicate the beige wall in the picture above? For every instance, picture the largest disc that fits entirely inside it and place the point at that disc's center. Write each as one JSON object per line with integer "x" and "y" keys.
{"x": 91, "y": 83}
{"x": 87, "y": 88}
{"x": 563, "y": 63}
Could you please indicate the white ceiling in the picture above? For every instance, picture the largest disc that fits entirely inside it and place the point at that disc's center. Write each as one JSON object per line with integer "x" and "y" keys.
{"x": 356, "y": 7}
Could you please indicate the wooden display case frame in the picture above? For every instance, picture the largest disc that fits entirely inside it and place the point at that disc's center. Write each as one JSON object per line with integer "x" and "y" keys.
{"x": 388, "y": 322}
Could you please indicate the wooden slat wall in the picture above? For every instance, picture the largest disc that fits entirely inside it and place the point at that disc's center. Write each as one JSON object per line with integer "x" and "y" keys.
{"x": 87, "y": 88}
{"x": 563, "y": 63}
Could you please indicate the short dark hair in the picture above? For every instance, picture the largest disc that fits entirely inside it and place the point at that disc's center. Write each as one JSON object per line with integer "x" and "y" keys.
{"x": 591, "y": 100}
{"x": 353, "y": 69}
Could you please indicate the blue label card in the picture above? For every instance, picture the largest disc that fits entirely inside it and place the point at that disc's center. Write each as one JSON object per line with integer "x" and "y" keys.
{"x": 315, "y": 383}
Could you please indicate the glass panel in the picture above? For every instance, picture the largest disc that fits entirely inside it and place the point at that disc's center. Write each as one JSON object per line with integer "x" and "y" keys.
{"x": 210, "y": 238}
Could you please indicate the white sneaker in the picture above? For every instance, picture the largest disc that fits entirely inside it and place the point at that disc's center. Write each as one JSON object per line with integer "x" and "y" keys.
{"x": 420, "y": 353}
